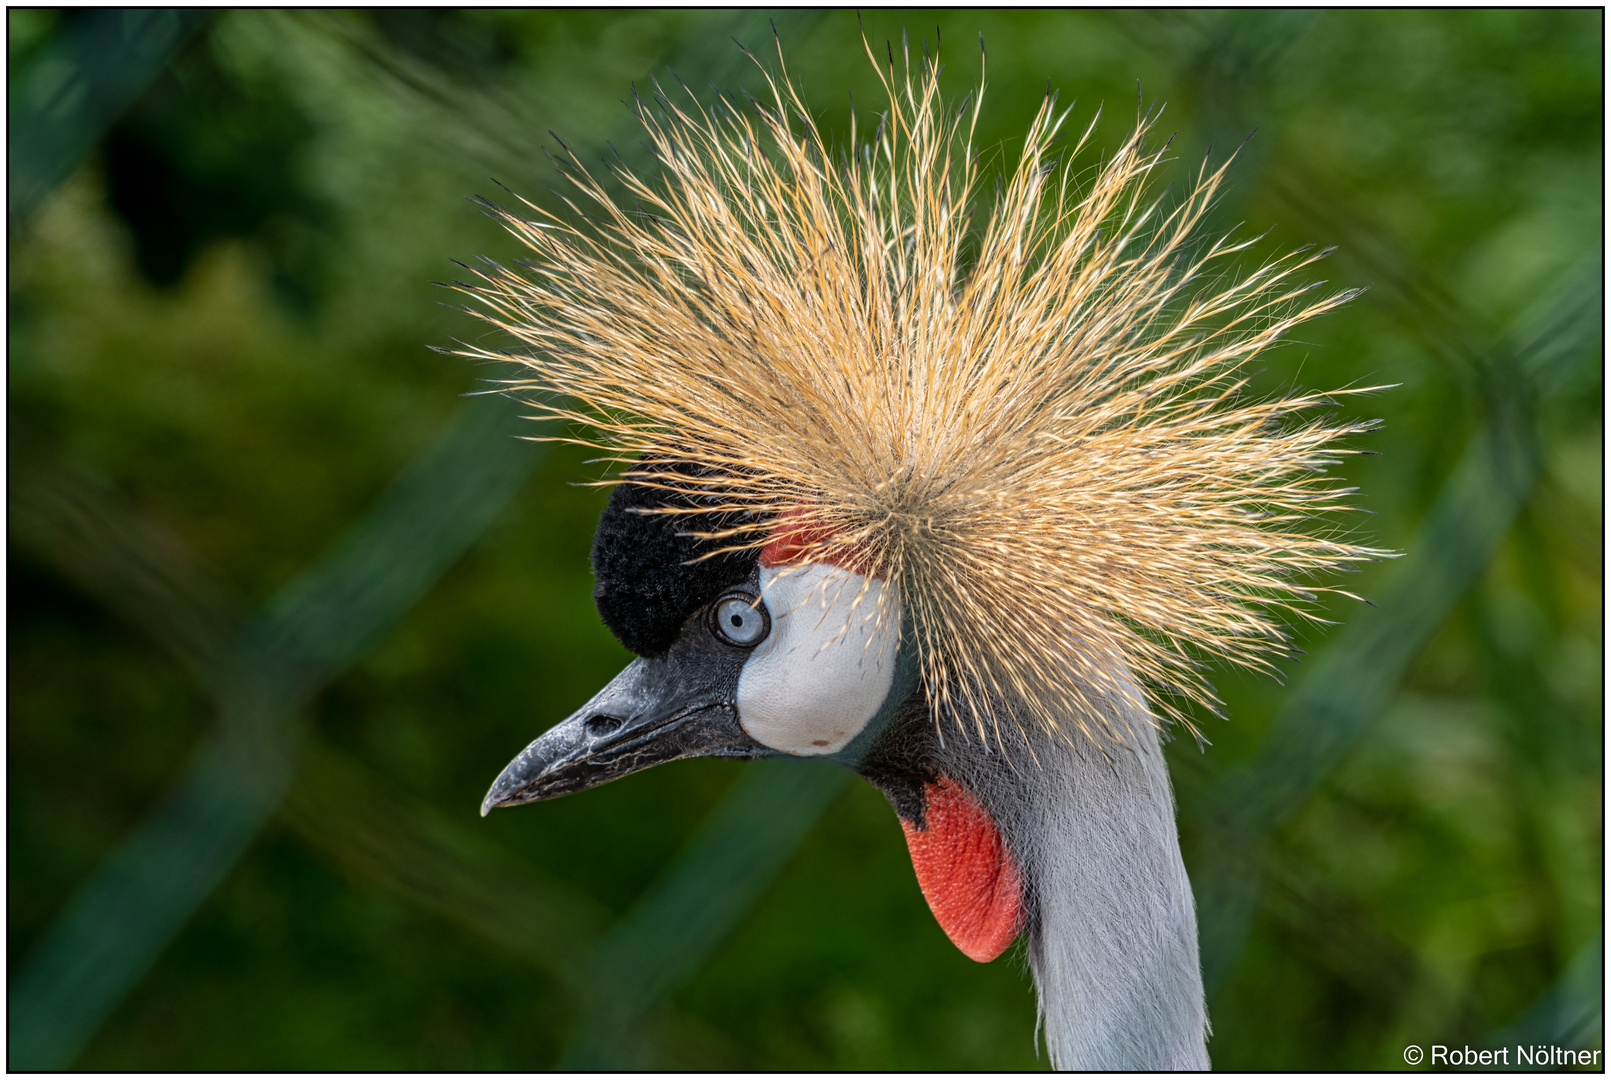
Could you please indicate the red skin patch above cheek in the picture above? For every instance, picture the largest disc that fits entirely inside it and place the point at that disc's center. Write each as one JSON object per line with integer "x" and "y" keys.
{"x": 794, "y": 541}
{"x": 966, "y": 871}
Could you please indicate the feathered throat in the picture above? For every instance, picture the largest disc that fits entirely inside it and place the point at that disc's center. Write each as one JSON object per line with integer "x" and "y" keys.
{"x": 1030, "y": 420}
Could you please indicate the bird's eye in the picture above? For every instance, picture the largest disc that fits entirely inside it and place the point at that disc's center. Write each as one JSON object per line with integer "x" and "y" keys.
{"x": 741, "y": 621}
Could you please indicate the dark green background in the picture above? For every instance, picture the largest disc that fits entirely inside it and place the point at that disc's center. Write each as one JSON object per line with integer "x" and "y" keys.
{"x": 218, "y": 327}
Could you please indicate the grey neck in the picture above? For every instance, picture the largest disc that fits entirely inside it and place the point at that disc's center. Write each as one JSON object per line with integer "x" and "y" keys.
{"x": 1113, "y": 928}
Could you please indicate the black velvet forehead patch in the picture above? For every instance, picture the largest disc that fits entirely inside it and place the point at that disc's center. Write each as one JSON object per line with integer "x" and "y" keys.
{"x": 646, "y": 583}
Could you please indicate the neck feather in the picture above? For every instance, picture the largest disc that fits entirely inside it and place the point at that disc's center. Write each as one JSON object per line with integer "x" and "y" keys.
{"x": 1113, "y": 928}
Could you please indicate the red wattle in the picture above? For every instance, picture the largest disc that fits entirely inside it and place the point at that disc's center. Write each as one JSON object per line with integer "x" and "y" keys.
{"x": 966, "y": 871}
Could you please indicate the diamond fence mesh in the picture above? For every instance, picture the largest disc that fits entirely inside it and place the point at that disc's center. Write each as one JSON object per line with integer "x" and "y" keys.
{"x": 1400, "y": 845}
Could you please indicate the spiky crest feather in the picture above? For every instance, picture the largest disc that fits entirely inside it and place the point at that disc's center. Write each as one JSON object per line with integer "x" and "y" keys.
{"x": 1036, "y": 430}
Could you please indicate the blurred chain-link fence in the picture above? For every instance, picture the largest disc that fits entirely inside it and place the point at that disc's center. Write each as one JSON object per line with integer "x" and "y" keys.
{"x": 261, "y": 761}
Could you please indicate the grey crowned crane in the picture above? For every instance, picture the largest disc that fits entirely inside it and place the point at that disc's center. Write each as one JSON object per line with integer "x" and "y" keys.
{"x": 957, "y": 500}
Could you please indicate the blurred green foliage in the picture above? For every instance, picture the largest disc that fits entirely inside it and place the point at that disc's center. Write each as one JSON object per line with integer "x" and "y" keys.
{"x": 218, "y": 329}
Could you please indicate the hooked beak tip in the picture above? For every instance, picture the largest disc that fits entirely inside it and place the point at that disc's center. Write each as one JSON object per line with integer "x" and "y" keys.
{"x": 514, "y": 785}
{"x": 497, "y": 797}
{"x": 498, "y": 793}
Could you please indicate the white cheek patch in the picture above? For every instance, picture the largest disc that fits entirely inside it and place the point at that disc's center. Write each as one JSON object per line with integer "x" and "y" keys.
{"x": 828, "y": 663}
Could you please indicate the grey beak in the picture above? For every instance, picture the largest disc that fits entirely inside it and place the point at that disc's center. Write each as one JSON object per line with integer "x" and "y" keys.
{"x": 658, "y": 710}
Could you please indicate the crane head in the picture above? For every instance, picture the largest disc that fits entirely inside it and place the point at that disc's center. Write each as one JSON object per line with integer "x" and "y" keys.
{"x": 904, "y": 458}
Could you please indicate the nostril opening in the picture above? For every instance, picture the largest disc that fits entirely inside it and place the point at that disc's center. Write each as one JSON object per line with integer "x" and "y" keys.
{"x": 601, "y": 725}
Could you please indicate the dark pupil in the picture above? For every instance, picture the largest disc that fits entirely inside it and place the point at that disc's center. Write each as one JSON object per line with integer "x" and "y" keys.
{"x": 737, "y": 620}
